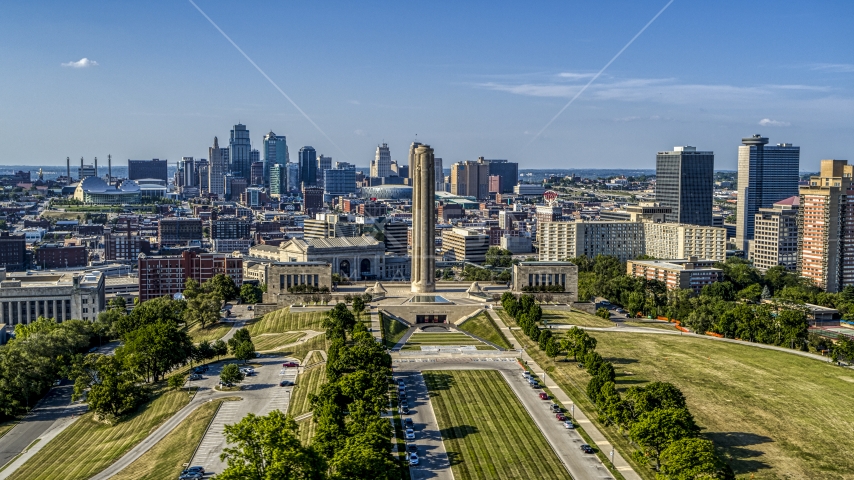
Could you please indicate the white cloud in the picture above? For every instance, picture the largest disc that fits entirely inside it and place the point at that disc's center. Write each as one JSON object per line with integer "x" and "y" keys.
{"x": 834, "y": 67}
{"x": 767, "y": 122}
{"x": 576, "y": 76}
{"x": 82, "y": 63}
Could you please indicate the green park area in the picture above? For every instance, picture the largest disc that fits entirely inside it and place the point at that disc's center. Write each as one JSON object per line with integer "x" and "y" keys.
{"x": 89, "y": 446}
{"x": 487, "y": 432}
{"x": 270, "y": 341}
{"x": 308, "y": 383}
{"x": 209, "y": 333}
{"x": 393, "y": 330}
{"x": 282, "y": 321}
{"x": 774, "y": 414}
{"x": 167, "y": 458}
{"x": 482, "y": 326}
{"x": 451, "y": 339}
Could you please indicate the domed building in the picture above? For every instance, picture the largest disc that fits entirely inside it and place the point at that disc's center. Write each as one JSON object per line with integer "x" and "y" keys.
{"x": 95, "y": 191}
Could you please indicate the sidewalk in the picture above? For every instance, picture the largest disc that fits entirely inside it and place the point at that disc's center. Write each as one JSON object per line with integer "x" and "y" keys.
{"x": 592, "y": 431}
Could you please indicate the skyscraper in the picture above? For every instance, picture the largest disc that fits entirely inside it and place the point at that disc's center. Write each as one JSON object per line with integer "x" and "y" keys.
{"x": 145, "y": 169}
{"x": 188, "y": 166}
{"x": 381, "y": 165}
{"x": 275, "y": 152}
{"x": 278, "y": 179}
{"x": 826, "y": 227}
{"x": 239, "y": 148}
{"x": 423, "y": 172}
{"x": 217, "y": 167}
{"x": 323, "y": 163}
{"x": 293, "y": 177}
{"x": 308, "y": 165}
{"x": 508, "y": 171}
{"x": 684, "y": 181}
{"x": 766, "y": 174}
{"x": 470, "y": 178}
{"x": 440, "y": 174}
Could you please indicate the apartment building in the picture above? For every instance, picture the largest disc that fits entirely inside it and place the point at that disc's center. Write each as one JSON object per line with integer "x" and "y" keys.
{"x": 687, "y": 273}
{"x": 166, "y": 275}
{"x": 460, "y": 244}
{"x": 775, "y": 236}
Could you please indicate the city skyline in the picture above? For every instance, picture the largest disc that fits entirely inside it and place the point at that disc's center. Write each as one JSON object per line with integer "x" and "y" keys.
{"x": 128, "y": 80}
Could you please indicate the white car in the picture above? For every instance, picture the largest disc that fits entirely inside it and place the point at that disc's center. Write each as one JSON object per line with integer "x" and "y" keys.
{"x": 413, "y": 459}
{"x": 410, "y": 434}
{"x": 568, "y": 424}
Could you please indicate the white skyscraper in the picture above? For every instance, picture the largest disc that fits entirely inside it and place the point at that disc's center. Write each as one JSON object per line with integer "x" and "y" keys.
{"x": 381, "y": 165}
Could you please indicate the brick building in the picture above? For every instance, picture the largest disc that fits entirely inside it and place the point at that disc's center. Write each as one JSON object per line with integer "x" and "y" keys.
{"x": 56, "y": 255}
{"x": 231, "y": 228}
{"x": 124, "y": 245}
{"x": 166, "y": 275}
{"x": 179, "y": 230}
{"x": 12, "y": 248}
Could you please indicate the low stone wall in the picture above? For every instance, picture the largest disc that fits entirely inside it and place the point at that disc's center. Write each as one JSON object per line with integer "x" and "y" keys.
{"x": 586, "y": 307}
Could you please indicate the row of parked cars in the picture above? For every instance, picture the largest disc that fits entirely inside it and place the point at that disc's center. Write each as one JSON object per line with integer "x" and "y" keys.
{"x": 408, "y": 424}
{"x": 555, "y": 408}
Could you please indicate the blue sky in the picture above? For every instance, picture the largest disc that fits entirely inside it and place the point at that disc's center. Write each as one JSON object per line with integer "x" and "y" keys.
{"x": 470, "y": 78}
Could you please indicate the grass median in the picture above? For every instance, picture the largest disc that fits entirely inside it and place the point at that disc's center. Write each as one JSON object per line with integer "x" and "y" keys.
{"x": 308, "y": 382}
{"x": 486, "y": 430}
{"x": 87, "y": 447}
{"x": 281, "y": 321}
{"x": 393, "y": 330}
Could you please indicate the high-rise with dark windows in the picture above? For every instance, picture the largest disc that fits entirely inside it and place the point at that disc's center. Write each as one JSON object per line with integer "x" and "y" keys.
{"x": 684, "y": 181}
{"x": 766, "y": 174}
{"x": 275, "y": 152}
{"x": 239, "y": 151}
{"x": 308, "y": 165}
{"x": 146, "y": 169}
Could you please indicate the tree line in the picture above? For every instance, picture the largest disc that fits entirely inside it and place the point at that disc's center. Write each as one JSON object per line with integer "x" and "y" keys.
{"x": 352, "y": 440}
{"x": 654, "y": 417}
{"x": 732, "y": 308}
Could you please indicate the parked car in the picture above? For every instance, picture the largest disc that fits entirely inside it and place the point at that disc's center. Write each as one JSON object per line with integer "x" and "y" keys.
{"x": 568, "y": 424}
{"x": 290, "y": 364}
{"x": 408, "y": 423}
{"x": 404, "y": 402}
{"x": 195, "y": 376}
{"x": 197, "y": 468}
{"x": 410, "y": 434}
{"x": 535, "y": 384}
{"x": 561, "y": 417}
{"x": 587, "y": 449}
{"x": 413, "y": 459}
{"x": 249, "y": 307}
{"x": 412, "y": 448}
{"x": 404, "y": 410}
{"x": 556, "y": 408}
{"x": 544, "y": 396}
{"x": 285, "y": 383}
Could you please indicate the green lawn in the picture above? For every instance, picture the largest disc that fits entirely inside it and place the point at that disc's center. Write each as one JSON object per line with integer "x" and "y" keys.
{"x": 393, "y": 330}
{"x": 483, "y": 326}
{"x": 87, "y": 447}
{"x": 663, "y": 326}
{"x": 575, "y": 318}
{"x": 301, "y": 350}
{"x": 283, "y": 320}
{"x": 308, "y": 382}
{"x": 486, "y": 430}
{"x": 417, "y": 340}
{"x": 210, "y": 333}
{"x": 777, "y": 415}
{"x": 306, "y": 430}
{"x": 269, "y": 341}
{"x": 167, "y": 458}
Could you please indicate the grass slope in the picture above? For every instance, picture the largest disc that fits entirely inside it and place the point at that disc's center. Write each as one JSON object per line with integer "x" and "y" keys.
{"x": 417, "y": 340}
{"x": 270, "y": 341}
{"x": 486, "y": 430}
{"x": 309, "y": 382}
{"x": 301, "y": 350}
{"x": 210, "y": 333}
{"x": 393, "y": 330}
{"x": 581, "y": 319}
{"x": 482, "y": 326}
{"x": 777, "y": 415}
{"x": 87, "y": 447}
{"x": 283, "y": 320}
{"x": 167, "y": 458}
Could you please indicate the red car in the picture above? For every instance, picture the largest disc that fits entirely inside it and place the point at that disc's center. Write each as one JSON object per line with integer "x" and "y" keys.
{"x": 561, "y": 417}
{"x": 290, "y": 365}
{"x": 544, "y": 396}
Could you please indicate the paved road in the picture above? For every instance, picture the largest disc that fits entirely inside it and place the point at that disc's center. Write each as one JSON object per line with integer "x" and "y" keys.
{"x": 433, "y": 460}
{"x": 54, "y": 407}
{"x": 565, "y": 443}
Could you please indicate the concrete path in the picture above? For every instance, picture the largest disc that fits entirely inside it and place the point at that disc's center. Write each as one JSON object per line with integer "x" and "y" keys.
{"x": 433, "y": 462}
{"x": 592, "y": 431}
{"x": 47, "y": 415}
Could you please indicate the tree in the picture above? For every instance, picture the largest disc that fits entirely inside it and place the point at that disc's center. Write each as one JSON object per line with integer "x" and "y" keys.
{"x": 603, "y": 312}
{"x": 268, "y": 448}
{"x": 338, "y": 321}
{"x": 358, "y": 305}
{"x": 655, "y": 430}
{"x": 693, "y": 458}
{"x": 153, "y": 349}
{"x": 552, "y": 349}
{"x": 241, "y": 345}
{"x": 223, "y": 285}
{"x": 230, "y": 374}
{"x": 654, "y": 395}
{"x": 357, "y": 460}
{"x": 118, "y": 303}
{"x": 176, "y": 381}
{"x": 203, "y": 309}
{"x": 250, "y": 293}
{"x": 219, "y": 348}
{"x": 192, "y": 289}
{"x": 113, "y": 389}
